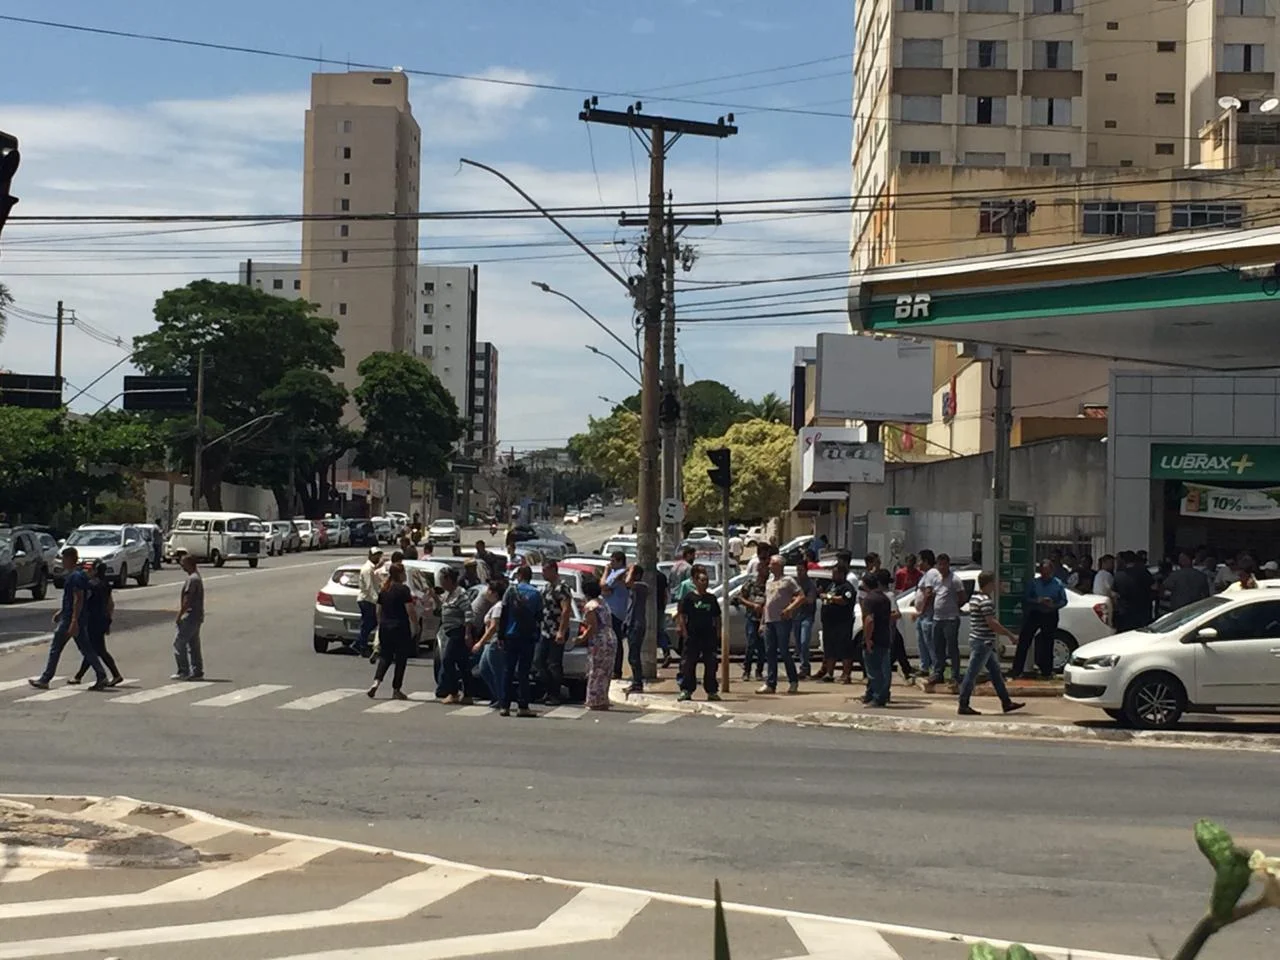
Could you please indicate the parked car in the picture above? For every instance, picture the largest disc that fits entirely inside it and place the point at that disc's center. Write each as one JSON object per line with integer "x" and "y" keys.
{"x": 387, "y": 529}
{"x": 1220, "y": 653}
{"x": 23, "y": 565}
{"x": 363, "y": 533}
{"x": 272, "y": 541}
{"x": 217, "y": 537}
{"x": 337, "y": 531}
{"x": 444, "y": 531}
{"x": 706, "y": 533}
{"x": 337, "y": 612}
{"x": 630, "y": 547}
{"x": 123, "y": 548}
{"x": 290, "y": 538}
{"x": 308, "y": 533}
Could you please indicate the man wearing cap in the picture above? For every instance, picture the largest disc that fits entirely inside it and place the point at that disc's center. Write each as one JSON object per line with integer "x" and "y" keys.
{"x": 68, "y": 625}
{"x": 370, "y": 584}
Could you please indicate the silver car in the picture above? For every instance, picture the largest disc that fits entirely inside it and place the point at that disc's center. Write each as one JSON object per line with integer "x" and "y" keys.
{"x": 290, "y": 541}
{"x": 337, "y": 608}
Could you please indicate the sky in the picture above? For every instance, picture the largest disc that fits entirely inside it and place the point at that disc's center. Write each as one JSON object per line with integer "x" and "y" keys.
{"x": 112, "y": 125}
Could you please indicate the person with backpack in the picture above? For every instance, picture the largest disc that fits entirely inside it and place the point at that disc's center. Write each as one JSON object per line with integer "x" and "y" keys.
{"x": 522, "y": 626}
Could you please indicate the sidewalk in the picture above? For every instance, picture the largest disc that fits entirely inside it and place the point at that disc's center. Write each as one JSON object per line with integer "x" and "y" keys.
{"x": 1046, "y": 715}
{"x": 83, "y": 836}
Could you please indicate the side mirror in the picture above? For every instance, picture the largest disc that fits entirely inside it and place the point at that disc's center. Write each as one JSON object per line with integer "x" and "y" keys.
{"x": 18, "y": 554}
{"x": 1205, "y": 634}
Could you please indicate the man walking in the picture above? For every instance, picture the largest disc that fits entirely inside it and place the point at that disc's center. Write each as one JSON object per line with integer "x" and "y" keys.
{"x": 370, "y": 584}
{"x": 186, "y": 642}
{"x": 783, "y": 597}
{"x": 877, "y": 640}
{"x": 616, "y": 598}
{"x": 1185, "y": 585}
{"x": 522, "y": 614}
{"x": 699, "y": 617}
{"x": 945, "y": 591}
{"x": 69, "y": 624}
{"x": 1045, "y": 596}
{"x": 983, "y": 627}
{"x": 557, "y": 608}
{"x": 924, "y": 616}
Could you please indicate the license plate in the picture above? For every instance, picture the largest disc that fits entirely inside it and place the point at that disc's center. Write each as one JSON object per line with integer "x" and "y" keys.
{"x": 251, "y": 546}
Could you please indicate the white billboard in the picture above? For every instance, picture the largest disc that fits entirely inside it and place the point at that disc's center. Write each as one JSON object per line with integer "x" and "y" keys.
{"x": 831, "y": 458}
{"x": 873, "y": 378}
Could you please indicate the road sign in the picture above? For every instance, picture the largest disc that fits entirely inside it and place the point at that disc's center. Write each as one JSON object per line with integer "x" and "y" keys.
{"x": 35, "y": 392}
{"x": 671, "y": 511}
{"x": 159, "y": 393}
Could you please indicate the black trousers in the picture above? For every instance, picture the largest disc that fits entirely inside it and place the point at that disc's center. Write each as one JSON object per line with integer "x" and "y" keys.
{"x": 394, "y": 642}
{"x": 619, "y": 631}
{"x": 702, "y": 650}
{"x": 1038, "y": 628}
{"x": 98, "y": 640}
{"x": 548, "y": 659}
{"x": 899, "y": 654}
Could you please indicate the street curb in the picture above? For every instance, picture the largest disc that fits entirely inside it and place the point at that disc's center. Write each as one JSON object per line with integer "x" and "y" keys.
{"x": 1008, "y": 729}
{"x": 10, "y": 645}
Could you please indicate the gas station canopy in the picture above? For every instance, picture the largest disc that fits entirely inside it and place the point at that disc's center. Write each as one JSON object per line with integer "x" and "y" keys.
{"x": 1176, "y": 299}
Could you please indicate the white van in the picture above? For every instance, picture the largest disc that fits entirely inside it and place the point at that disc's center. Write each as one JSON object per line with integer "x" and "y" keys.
{"x": 217, "y": 537}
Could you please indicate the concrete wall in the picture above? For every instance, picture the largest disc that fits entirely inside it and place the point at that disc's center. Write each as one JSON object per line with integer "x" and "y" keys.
{"x": 237, "y": 499}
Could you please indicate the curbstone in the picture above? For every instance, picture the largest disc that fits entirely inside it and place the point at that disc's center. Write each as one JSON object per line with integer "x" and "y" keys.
{"x": 31, "y": 837}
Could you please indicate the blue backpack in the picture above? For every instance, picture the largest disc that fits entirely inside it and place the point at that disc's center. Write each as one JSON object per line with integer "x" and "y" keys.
{"x": 523, "y": 617}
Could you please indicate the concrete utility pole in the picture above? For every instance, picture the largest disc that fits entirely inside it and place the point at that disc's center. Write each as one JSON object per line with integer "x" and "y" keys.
{"x": 652, "y": 132}
{"x": 197, "y": 468}
{"x": 57, "y": 347}
{"x": 1016, "y": 212}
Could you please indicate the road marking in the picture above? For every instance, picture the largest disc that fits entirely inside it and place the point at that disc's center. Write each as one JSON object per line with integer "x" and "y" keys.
{"x": 20, "y": 874}
{"x": 320, "y": 699}
{"x": 394, "y": 706}
{"x": 656, "y": 718}
{"x": 592, "y": 915}
{"x": 735, "y": 724}
{"x": 108, "y": 810}
{"x": 12, "y": 684}
{"x": 202, "y": 885}
{"x": 566, "y": 713}
{"x": 476, "y": 711}
{"x": 197, "y": 832}
{"x": 836, "y": 941}
{"x": 242, "y": 696}
{"x": 394, "y": 901}
{"x": 159, "y": 693}
{"x": 59, "y": 694}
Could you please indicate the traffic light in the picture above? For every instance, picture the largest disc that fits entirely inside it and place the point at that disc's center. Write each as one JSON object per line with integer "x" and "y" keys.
{"x": 9, "y": 159}
{"x": 720, "y": 475}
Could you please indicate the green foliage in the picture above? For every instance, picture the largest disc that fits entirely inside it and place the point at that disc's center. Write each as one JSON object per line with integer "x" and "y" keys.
{"x": 411, "y": 422}
{"x": 710, "y": 408}
{"x": 611, "y": 449}
{"x": 761, "y": 467}
{"x": 1230, "y": 866}
{"x": 770, "y": 407}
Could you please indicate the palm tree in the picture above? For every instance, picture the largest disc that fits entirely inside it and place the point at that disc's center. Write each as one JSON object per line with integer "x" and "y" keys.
{"x": 5, "y": 299}
{"x": 770, "y": 407}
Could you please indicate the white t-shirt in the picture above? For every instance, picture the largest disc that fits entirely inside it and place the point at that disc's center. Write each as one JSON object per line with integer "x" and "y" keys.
{"x": 735, "y": 547}
{"x": 494, "y": 613}
{"x": 1102, "y": 581}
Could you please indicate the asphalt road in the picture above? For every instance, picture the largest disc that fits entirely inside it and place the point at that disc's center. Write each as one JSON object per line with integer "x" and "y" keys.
{"x": 1087, "y": 846}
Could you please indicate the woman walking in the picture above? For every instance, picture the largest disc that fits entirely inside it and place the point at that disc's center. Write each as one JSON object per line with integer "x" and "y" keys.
{"x": 99, "y": 608}
{"x": 597, "y": 633}
{"x": 394, "y": 636}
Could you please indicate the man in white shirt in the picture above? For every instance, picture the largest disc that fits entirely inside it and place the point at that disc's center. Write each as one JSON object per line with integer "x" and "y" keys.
{"x": 735, "y": 547}
{"x": 370, "y": 584}
{"x": 1105, "y": 577}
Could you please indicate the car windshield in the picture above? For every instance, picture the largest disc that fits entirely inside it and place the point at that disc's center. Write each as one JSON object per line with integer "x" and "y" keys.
{"x": 1183, "y": 615}
{"x": 241, "y": 525}
{"x": 346, "y": 577}
{"x": 95, "y": 538}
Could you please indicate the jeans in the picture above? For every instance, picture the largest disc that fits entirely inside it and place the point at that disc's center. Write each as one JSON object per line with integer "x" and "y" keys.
{"x": 493, "y": 670}
{"x": 946, "y": 646}
{"x": 455, "y": 663}
{"x": 982, "y": 654}
{"x": 186, "y": 648}
{"x": 924, "y": 643}
{"x": 1038, "y": 627}
{"x": 777, "y": 643}
{"x": 81, "y": 638}
{"x": 635, "y": 644}
{"x": 619, "y": 631}
{"x": 755, "y": 648}
{"x": 804, "y": 639}
{"x": 519, "y": 652}
{"x": 702, "y": 650}
{"x": 877, "y": 662}
{"x": 549, "y": 660}
{"x": 368, "y": 623}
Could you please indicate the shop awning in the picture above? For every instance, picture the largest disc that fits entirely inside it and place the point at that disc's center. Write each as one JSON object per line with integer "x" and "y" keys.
{"x": 817, "y": 501}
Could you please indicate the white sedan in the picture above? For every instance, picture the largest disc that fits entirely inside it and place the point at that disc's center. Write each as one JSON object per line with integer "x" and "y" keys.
{"x": 444, "y": 531}
{"x": 1222, "y": 652}
{"x": 571, "y": 517}
{"x": 272, "y": 539}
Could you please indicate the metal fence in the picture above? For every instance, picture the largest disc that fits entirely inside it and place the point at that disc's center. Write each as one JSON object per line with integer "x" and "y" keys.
{"x": 1070, "y": 534}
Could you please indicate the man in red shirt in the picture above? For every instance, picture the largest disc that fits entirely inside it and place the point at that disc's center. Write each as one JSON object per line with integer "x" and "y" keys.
{"x": 908, "y": 575}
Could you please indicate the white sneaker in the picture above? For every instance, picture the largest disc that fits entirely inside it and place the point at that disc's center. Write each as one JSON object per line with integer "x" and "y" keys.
{"x": 766, "y": 689}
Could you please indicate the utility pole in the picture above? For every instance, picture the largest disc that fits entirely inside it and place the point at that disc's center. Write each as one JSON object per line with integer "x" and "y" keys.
{"x": 57, "y": 348}
{"x": 1015, "y": 213}
{"x": 652, "y": 132}
{"x": 197, "y": 469}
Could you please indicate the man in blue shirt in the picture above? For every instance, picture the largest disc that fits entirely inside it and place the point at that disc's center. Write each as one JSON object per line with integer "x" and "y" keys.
{"x": 70, "y": 623}
{"x": 1045, "y": 596}
{"x": 617, "y": 598}
{"x": 522, "y": 619}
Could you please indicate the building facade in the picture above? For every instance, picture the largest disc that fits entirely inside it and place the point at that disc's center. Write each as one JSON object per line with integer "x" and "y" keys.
{"x": 484, "y": 416}
{"x": 361, "y": 157}
{"x": 282, "y": 280}
{"x": 445, "y": 328}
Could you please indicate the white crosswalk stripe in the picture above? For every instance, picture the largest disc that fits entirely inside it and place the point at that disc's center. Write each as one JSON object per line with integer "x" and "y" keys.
{"x": 475, "y": 711}
{"x": 657, "y": 719}
{"x": 733, "y": 723}
{"x": 321, "y": 699}
{"x": 567, "y": 713}
{"x": 836, "y": 941}
{"x": 58, "y": 693}
{"x": 237, "y": 697}
{"x": 12, "y": 684}
{"x": 159, "y": 693}
{"x": 394, "y": 706}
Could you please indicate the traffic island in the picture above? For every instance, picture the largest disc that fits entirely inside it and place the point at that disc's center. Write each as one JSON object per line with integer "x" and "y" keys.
{"x": 42, "y": 838}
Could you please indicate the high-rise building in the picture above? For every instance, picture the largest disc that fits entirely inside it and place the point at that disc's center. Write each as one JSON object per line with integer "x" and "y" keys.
{"x": 282, "y": 280}
{"x": 361, "y": 157}
{"x": 444, "y": 334}
{"x": 483, "y": 439}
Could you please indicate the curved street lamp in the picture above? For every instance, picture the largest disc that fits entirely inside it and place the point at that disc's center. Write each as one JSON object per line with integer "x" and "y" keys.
{"x": 614, "y": 361}
{"x": 547, "y": 288}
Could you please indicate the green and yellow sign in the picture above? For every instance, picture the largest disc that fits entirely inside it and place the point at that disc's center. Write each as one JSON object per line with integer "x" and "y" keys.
{"x": 1209, "y": 461}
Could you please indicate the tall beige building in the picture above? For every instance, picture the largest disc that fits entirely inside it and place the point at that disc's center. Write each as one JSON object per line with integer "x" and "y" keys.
{"x": 362, "y": 157}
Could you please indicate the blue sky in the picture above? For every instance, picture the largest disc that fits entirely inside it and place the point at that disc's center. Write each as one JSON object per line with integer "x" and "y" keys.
{"x": 124, "y": 126}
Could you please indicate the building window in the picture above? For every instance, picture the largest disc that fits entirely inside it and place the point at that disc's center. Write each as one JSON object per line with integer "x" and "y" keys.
{"x": 429, "y": 288}
{"x": 1051, "y": 55}
{"x": 1243, "y": 8}
{"x": 1052, "y": 6}
{"x": 1166, "y": 96}
{"x": 1050, "y": 159}
{"x": 428, "y": 309}
{"x": 344, "y": 204}
{"x": 916, "y": 109}
{"x": 428, "y": 329}
{"x": 346, "y": 153}
{"x": 1126, "y": 163}
{"x": 1192, "y": 216}
{"x": 985, "y": 111}
{"x": 922, "y": 53}
{"x": 428, "y": 352}
{"x": 1164, "y": 149}
{"x": 1109, "y": 218}
{"x": 297, "y": 284}
{"x": 988, "y": 6}
{"x": 922, "y": 5}
{"x": 1109, "y": 124}
{"x": 345, "y": 256}
{"x": 1242, "y": 57}
{"x": 1112, "y": 77}
{"x": 1166, "y": 46}
{"x": 346, "y": 179}
{"x": 915, "y": 158}
{"x": 988, "y": 55}
{"x": 346, "y": 126}
{"x": 342, "y": 309}
{"x": 344, "y": 230}
{"x": 974, "y": 159}
{"x": 1113, "y": 25}
{"x": 992, "y": 213}
{"x": 277, "y": 284}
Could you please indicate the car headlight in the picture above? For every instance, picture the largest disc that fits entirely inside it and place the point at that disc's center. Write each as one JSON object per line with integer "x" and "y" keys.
{"x": 1098, "y": 663}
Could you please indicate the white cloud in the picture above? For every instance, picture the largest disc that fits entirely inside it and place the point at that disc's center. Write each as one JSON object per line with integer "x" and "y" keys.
{"x": 244, "y": 156}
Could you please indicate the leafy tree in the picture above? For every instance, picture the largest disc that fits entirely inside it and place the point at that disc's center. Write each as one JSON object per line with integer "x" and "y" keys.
{"x": 251, "y": 342}
{"x": 770, "y": 407}
{"x": 6, "y": 298}
{"x": 761, "y": 467}
{"x": 411, "y": 422}
{"x": 611, "y": 449}
{"x": 710, "y": 408}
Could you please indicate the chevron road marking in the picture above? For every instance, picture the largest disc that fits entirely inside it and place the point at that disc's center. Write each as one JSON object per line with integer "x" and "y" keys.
{"x": 590, "y": 916}
{"x": 394, "y": 901}
{"x": 202, "y": 885}
{"x": 836, "y": 941}
{"x": 108, "y": 810}
{"x": 197, "y": 832}
{"x": 12, "y": 684}
{"x": 566, "y": 713}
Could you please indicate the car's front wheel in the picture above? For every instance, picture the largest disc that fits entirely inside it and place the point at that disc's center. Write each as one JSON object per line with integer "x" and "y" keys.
{"x": 319, "y": 644}
{"x": 1154, "y": 701}
{"x": 1064, "y": 645}
{"x": 144, "y": 577}
{"x": 253, "y": 563}
{"x": 217, "y": 558}
{"x": 41, "y": 588}
{"x": 123, "y": 579}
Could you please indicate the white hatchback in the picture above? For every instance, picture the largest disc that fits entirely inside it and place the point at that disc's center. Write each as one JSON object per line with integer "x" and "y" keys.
{"x": 1220, "y": 652}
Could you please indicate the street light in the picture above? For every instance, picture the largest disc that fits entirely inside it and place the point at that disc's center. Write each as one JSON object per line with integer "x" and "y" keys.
{"x": 614, "y": 361}
{"x": 547, "y": 288}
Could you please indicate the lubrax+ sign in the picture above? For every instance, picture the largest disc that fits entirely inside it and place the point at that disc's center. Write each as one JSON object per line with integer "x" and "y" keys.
{"x": 1176, "y": 461}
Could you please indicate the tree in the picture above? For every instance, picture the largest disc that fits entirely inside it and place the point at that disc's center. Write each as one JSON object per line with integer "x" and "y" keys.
{"x": 6, "y": 298}
{"x": 411, "y": 422}
{"x": 710, "y": 408}
{"x": 251, "y": 342}
{"x": 761, "y": 467}
{"x": 770, "y": 407}
{"x": 611, "y": 449}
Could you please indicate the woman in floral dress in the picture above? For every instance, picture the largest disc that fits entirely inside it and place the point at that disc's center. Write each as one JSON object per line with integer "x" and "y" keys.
{"x": 597, "y": 633}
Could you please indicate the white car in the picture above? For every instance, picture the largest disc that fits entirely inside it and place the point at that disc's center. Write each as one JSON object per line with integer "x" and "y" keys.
{"x": 444, "y": 531}
{"x": 308, "y": 533}
{"x": 1222, "y": 652}
{"x": 290, "y": 540}
{"x": 272, "y": 539}
{"x": 571, "y": 517}
{"x": 125, "y": 551}
{"x": 339, "y": 531}
{"x": 336, "y": 617}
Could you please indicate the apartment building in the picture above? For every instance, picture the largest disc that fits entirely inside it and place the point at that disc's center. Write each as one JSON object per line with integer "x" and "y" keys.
{"x": 282, "y": 280}
{"x": 484, "y": 416}
{"x": 362, "y": 153}
{"x": 444, "y": 334}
